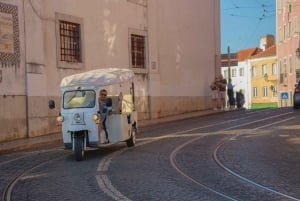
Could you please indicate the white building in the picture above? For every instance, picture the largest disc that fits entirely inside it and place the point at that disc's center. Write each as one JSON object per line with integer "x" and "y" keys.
{"x": 168, "y": 44}
{"x": 241, "y": 67}
{"x": 240, "y": 72}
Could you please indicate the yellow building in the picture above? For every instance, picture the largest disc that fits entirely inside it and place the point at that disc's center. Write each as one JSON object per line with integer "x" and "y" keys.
{"x": 264, "y": 79}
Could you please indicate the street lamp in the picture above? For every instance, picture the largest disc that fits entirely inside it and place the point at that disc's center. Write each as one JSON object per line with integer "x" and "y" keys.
{"x": 228, "y": 54}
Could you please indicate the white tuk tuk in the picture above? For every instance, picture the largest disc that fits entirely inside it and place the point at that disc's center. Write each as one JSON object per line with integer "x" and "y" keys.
{"x": 81, "y": 115}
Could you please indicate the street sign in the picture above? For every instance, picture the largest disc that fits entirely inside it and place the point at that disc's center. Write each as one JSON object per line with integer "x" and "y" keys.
{"x": 284, "y": 95}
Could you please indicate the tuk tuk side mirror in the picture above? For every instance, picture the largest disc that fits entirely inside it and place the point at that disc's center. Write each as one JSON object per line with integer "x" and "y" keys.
{"x": 51, "y": 104}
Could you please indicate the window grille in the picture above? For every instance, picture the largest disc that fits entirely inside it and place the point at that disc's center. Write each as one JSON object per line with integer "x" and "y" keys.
{"x": 70, "y": 42}
{"x": 137, "y": 51}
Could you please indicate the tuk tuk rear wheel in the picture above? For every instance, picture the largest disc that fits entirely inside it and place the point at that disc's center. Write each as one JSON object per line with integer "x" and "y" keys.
{"x": 131, "y": 141}
{"x": 78, "y": 151}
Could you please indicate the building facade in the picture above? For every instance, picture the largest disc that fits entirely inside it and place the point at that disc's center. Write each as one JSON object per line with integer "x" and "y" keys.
{"x": 173, "y": 57}
{"x": 264, "y": 79}
{"x": 240, "y": 72}
{"x": 254, "y": 72}
{"x": 288, "y": 36}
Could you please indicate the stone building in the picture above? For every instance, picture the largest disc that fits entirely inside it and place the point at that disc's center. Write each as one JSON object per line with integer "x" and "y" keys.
{"x": 173, "y": 46}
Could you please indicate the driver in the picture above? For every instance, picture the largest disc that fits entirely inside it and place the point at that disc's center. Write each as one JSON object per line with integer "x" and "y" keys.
{"x": 103, "y": 110}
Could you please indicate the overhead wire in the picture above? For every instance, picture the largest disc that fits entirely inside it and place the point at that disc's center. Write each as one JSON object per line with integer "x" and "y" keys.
{"x": 267, "y": 11}
{"x": 253, "y": 33}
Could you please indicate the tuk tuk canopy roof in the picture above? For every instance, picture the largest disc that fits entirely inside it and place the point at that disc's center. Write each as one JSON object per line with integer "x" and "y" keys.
{"x": 98, "y": 77}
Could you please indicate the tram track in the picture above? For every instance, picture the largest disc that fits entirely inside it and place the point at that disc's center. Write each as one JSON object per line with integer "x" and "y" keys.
{"x": 221, "y": 193}
{"x": 7, "y": 191}
{"x": 225, "y": 130}
{"x": 26, "y": 155}
{"x": 252, "y": 182}
{"x": 264, "y": 121}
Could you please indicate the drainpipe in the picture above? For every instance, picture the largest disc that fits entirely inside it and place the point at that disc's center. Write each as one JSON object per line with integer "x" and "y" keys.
{"x": 25, "y": 74}
{"x": 148, "y": 61}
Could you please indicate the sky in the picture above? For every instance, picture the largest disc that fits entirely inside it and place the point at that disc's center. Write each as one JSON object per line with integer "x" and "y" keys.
{"x": 243, "y": 22}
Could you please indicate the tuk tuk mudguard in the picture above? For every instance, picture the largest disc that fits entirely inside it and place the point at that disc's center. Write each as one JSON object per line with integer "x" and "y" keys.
{"x": 83, "y": 134}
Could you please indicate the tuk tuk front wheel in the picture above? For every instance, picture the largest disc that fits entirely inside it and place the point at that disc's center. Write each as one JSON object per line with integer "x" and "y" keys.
{"x": 78, "y": 151}
{"x": 131, "y": 141}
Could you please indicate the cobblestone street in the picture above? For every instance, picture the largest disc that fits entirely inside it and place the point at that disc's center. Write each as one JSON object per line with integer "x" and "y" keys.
{"x": 238, "y": 155}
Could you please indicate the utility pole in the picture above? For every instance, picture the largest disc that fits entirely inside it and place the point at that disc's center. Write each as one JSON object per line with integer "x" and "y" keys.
{"x": 229, "y": 71}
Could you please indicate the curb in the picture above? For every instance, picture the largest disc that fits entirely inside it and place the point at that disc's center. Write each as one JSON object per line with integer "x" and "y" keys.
{"x": 35, "y": 142}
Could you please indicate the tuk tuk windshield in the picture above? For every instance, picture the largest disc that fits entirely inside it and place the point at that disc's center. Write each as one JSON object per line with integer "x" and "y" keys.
{"x": 79, "y": 99}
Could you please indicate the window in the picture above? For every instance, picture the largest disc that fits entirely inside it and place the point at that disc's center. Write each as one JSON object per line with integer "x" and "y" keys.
{"x": 79, "y": 99}
{"x": 264, "y": 70}
{"x": 280, "y": 5}
{"x": 280, "y": 34}
{"x": 289, "y": 28}
{"x": 254, "y": 71}
{"x": 226, "y": 74}
{"x": 274, "y": 69}
{"x": 291, "y": 64}
{"x": 138, "y": 55}
{"x": 275, "y": 91}
{"x": 284, "y": 33}
{"x": 241, "y": 72}
{"x": 254, "y": 92}
{"x": 297, "y": 75}
{"x": 69, "y": 41}
{"x": 233, "y": 72}
{"x": 284, "y": 67}
{"x": 283, "y": 71}
{"x": 295, "y": 25}
{"x": 70, "y": 48}
{"x": 265, "y": 91}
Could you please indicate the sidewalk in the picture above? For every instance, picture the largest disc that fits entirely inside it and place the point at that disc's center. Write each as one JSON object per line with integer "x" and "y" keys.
{"x": 21, "y": 144}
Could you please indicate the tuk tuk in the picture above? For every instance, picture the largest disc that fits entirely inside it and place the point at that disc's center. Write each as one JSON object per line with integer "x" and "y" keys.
{"x": 85, "y": 122}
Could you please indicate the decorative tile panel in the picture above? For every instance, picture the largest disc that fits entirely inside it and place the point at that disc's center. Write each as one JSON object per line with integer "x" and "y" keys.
{"x": 9, "y": 36}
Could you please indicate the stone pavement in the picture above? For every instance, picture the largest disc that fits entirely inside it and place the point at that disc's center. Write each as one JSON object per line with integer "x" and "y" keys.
{"x": 21, "y": 144}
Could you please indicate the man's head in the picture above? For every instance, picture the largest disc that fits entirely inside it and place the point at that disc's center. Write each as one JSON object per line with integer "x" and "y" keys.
{"x": 102, "y": 95}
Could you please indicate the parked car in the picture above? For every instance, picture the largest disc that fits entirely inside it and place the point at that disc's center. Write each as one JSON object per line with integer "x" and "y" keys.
{"x": 296, "y": 96}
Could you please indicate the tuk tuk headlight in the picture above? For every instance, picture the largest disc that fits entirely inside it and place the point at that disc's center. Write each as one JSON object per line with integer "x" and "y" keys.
{"x": 60, "y": 118}
{"x": 77, "y": 117}
{"x": 95, "y": 117}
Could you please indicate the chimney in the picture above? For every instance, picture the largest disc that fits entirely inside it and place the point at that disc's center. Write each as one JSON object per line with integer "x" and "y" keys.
{"x": 266, "y": 42}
